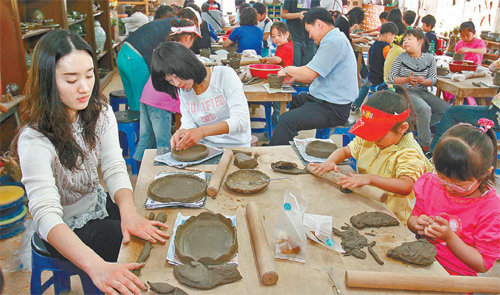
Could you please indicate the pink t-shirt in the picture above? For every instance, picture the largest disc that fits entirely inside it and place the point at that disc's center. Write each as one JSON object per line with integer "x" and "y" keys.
{"x": 475, "y": 220}
{"x": 157, "y": 99}
{"x": 474, "y": 44}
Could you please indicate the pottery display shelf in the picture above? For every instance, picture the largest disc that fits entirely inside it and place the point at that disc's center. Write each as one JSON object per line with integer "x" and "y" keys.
{"x": 310, "y": 277}
{"x": 11, "y": 107}
{"x": 466, "y": 88}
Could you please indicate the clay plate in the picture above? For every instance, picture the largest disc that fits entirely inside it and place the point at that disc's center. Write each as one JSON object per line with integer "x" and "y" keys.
{"x": 182, "y": 188}
{"x": 194, "y": 153}
{"x": 207, "y": 238}
{"x": 320, "y": 149}
{"x": 247, "y": 181}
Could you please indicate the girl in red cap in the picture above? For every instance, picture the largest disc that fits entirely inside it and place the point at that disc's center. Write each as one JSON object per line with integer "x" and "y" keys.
{"x": 387, "y": 155}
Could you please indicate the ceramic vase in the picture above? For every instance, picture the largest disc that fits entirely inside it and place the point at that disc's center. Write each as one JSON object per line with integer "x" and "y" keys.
{"x": 100, "y": 36}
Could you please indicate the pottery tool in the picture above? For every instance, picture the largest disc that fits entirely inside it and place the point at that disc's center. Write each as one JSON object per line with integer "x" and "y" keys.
{"x": 220, "y": 171}
{"x": 262, "y": 251}
{"x": 416, "y": 282}
{"x": 335, "y": 286}
{"x": 270, "y": 179}
{"x": 367, "y": 191}
{"x": 146, "y": 249}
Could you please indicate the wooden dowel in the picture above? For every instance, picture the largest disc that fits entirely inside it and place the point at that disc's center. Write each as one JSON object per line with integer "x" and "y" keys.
{"x": 216, "y": 179}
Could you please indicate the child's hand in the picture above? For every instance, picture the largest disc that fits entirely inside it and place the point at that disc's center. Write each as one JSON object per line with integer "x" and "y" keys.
{"x": 439, "y": 229}
{"x": 354, "y": 180}
{"x": 463, "y": 50}
{"x": 412, "y": 80}
{"x": 420, "y": 79}
{"x": 324, "y": 167}
{"x": 422, "y": 222}
{"x": 264, "y": 60}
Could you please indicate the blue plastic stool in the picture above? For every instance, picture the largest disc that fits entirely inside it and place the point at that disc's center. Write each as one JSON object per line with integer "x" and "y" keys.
{"x": 117, "y": 98}
{"x": 128, "y": 126}
{"x": 41, "y": 260}
{"x": 323, "y": 133}
{"x": 268, "y": 119}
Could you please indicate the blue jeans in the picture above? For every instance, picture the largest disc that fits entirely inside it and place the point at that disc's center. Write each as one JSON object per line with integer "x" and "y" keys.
{"x": 303, "y": 52}
{"x": 363, "y": 91}
{"x": 276, "y": 112}
{"x": 464, "y": 114}
{"x": 154, "y": 131}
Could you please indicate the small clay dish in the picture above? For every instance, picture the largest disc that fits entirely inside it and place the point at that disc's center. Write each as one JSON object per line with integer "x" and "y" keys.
{"x": 207, "y": 238}
{"x": 205, "y": 52}
{"x": 247, "y": 181}
{"x": 194, "y": 153}
{"x": 184, "y": 188}
{"x": 287, "y": 167}
{"x": 275, "y": 81}
{"x": 320, "y": 149}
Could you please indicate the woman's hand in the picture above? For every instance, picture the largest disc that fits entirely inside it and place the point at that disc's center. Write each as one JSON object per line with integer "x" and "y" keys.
{"x": 439, "y": 229}
{"x": 463, "y": 50}
{"x": 324, "y": 167}
{"x": 422, "y": 222}
{"x": 112, "y": 278}
{"x": 354, "y": 180}
{"x": 134, "y": 224}
{"x": 189, "y": 138}
{"x": 177, "y": 137}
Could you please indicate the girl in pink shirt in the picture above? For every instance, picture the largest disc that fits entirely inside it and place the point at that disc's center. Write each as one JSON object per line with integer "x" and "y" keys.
{"x": 472, "y": 47}
{"x": 457, "y": 209}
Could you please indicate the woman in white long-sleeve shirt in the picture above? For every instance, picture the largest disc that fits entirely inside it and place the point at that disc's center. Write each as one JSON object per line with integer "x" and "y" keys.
{"x": 67, "y": 132}
{"x": 213, "y": 105}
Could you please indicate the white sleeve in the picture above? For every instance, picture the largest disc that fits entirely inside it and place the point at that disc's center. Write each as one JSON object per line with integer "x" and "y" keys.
{"x": 113, "y": 165}
{"x": 239, "y": 115}
{"x": 267, "y": 27}
{"x": 187, "y": 120}
{"x": 36, "y": 156}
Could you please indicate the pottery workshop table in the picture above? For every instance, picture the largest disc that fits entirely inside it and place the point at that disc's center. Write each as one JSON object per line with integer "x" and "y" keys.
{"x": 294, "y": 278}
{"x": 465, "y": 88}
{"x": 257, "y": 93}
{"x": 360, "y": 48}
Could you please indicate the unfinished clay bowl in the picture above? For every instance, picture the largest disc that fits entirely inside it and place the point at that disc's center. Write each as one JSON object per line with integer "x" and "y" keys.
{"x": 234, "y": 55}
{"x": 207, "y": 238}
{"x": 205, "y": 52}
{"x": 496, "y": 78}
{"x": 247, "y": 181}
{"x": 458, "y": 56}
{"x": 234, "y": 63}
{"x": 184, "y": 188}
{"x": 275, "y": 81}
{"x": 320, "y": 149}
{"x": 191, "y": 154}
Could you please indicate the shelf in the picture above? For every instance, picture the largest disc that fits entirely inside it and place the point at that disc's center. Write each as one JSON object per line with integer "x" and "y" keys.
{"x": 491, "y": 55}
{"x": 76, "y": 21}
{"x": 491, "y": 42}
{"x": 98, "y": 13}
{"x": 106, "y": 79}
{"x": 37, "y": 32}
{"x": 102, "y": 54}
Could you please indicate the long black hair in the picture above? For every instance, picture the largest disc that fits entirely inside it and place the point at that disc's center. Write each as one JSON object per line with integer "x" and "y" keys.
{"x": 172, "y": 58}
{"x": 396, "y": 17}
{"x": 43, "y": 110}
{"x": 466, "y": 152}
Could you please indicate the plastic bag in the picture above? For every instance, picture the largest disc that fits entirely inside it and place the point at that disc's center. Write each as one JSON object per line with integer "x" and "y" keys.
{"x": 21, "y": 260}
{"x": 289, "y": 232}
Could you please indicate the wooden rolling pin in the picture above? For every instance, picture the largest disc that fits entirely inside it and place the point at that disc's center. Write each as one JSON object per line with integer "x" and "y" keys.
{"x": 216, "y": 179}
{"x": 367, "y": 191}
{"x": 263, "y": 253}
{"x": 416, "y": 282}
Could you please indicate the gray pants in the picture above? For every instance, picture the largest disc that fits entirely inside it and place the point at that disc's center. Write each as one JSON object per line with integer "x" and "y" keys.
{"x": 428, "y": 111}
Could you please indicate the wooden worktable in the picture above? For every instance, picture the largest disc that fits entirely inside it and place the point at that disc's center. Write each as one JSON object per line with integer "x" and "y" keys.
{"x": 257, "y": 93}
{"x": 465, "y": 88}
{"x": 360, "y": 48}
{"x": 294, "y": 277}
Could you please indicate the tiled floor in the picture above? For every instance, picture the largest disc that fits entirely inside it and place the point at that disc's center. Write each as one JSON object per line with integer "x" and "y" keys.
{"x": 17, "y": 282}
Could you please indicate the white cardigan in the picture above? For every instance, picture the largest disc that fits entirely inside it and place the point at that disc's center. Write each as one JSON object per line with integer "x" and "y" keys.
{"x": 58, "y": 195}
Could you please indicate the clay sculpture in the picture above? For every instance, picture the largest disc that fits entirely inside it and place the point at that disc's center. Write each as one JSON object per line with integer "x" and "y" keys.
{"x": 352, "y": 241}
{"x": 191, "y": 154}
{"x": 287, "y": 167}
{"x": 208, "y": 238}
{"x": 199, "y": 276}
{"x": 373, "y": 219}
{"x": 320, "y": 149}
{"x": 245, "y": 161}
{"x": 164, "y": 288}
{"x": 247, "y": 181}
{"x": 184, "y": 188}
{"x": 420, "y": 252}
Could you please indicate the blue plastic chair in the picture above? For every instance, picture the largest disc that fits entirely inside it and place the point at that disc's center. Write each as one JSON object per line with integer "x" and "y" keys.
{"x": 41, "y": 260}
{"x": 128, "y": 126}
{"x": 117, "y": 98}
{"x": 268, "y": 106}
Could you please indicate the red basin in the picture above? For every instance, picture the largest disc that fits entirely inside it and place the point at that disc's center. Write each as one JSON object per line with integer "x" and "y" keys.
{"x": 459, "y": 66}
{"x": 262, "y": 70}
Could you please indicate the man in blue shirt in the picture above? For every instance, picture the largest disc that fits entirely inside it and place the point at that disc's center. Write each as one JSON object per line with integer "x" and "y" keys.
{"x": 333, "y": 78}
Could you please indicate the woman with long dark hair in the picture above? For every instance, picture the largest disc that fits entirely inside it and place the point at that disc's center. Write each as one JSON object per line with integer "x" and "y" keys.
{"x": 67, "y": 131}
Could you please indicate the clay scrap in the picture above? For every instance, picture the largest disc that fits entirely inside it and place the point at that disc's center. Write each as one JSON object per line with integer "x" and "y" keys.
{"x": 146, "y": 249}
{"x": 287, "y": 167}
{"x": 420, "y": 252}
{"x": 247, "y": 181}
{"x": 352, "y": 241}
{"x": 164, "y": 288}
{"x": 200, "y": 276}
{"x": 245, "y": 161}
{"x": 191, "y": 154}
{"x": 207, "y": 238}
{"x": 320, "y": 149}
{"x": 373, "y": 219}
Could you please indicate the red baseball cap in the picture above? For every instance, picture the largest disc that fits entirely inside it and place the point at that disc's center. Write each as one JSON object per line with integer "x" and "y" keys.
{"x": 374, "y": 124}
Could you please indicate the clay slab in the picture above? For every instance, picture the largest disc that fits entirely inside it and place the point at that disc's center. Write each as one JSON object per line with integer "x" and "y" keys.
{"x": 420, "y": 252}
{"x": 194, "y": 153}
{"x": 373, "y": 219}
{"x": 199, "y": 276}
{"x": 287, "y": 167}
{"x": 208, "y": 238}
{"x": 247, "y": 181}
{"x": 320, "y": 149}
{"x": 182, "y": 188}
